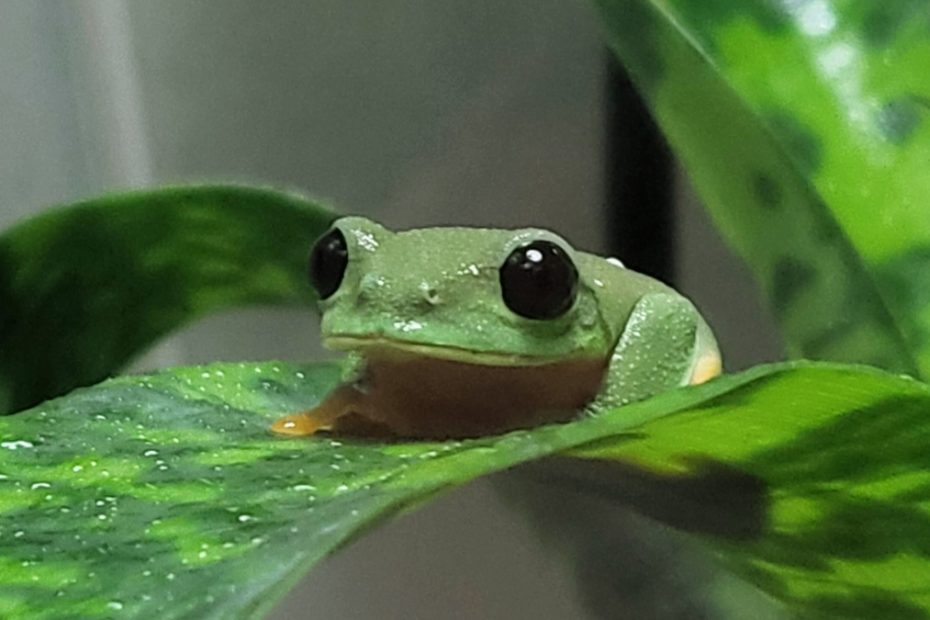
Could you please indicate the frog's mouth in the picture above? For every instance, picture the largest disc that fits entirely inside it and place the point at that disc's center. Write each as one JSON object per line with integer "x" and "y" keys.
{"x": 382, "y": 348}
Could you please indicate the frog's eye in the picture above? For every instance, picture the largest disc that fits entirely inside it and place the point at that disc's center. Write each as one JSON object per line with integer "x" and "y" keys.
{"x": 328, "y": 261}
{"x": 539, "y": 280}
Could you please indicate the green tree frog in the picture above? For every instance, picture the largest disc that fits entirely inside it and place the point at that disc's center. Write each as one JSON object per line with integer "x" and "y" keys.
{"x": 463, "y": 332}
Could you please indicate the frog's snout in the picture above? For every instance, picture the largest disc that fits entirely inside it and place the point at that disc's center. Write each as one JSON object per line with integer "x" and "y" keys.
{"x": 370, "y": 287}
{"x": 375, "y": 290}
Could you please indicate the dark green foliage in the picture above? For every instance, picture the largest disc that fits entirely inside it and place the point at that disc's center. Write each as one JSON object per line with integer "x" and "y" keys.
{"x": 83, "y": 289}
{"x": 818, "y": 108}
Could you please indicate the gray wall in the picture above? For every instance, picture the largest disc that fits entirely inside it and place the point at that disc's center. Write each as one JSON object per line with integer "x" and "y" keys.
{"x": 416, "y": 113}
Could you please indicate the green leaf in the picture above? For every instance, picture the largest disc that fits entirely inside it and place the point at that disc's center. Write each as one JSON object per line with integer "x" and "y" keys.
{"x": 804, "y": 128}
{"x": 166, "y": 496}
{"x": 85, "y": 288}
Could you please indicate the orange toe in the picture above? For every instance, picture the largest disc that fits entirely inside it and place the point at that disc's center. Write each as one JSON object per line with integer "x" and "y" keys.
{"x": 337, "y": 403}
{"x": 707, "y": 367}
{"x": 299, "y": 425}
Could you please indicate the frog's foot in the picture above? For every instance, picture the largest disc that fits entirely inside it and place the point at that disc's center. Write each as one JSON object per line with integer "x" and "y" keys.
{"x": 322, "y": 417}
{"x": 708, "y": 366}
{"x": 300, "y": 424}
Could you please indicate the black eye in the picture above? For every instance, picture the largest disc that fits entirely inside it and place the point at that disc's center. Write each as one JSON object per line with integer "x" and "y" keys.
{"x": 328, "y": 260}
{"x": 539, "y": 280}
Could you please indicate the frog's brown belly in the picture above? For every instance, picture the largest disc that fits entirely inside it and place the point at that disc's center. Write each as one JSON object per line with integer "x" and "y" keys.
{"x": 432, "y": 398}
{"x": 415, "y": 396}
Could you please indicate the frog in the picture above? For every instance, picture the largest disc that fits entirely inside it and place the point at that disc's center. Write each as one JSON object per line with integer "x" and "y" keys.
{"x": 458, "y": 332}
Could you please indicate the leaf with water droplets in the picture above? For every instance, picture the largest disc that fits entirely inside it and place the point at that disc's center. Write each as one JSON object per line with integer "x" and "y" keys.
{"x": 166, "y": 496}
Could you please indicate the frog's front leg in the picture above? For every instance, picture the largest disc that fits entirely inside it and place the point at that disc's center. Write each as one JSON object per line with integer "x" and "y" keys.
{"x": 341, "y": 404}
{"x": 338, "y": 403}
{"x": 665, "y": 344}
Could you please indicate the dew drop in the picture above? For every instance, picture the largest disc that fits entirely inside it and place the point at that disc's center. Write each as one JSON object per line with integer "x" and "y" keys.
{"x": 16, "y": 444}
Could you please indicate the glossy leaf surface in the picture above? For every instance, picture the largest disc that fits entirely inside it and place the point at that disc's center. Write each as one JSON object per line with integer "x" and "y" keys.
{"x": 804, "y": 128}
{"x": 165, "y": 495}
{"x": 85, "y": 288}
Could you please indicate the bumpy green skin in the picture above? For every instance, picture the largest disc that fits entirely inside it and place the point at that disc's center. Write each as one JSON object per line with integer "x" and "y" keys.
{"x": 804, "y": 128}
{"x": 165, "y": 496}
{"x": 85, "y": 288}
{"x": 439, "y": 289}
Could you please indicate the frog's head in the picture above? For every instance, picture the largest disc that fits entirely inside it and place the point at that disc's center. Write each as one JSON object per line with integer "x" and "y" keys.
{"x": 494, "y": 297}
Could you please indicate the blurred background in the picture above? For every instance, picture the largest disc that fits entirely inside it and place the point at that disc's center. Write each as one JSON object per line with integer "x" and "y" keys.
{"x": 417, "y": 114}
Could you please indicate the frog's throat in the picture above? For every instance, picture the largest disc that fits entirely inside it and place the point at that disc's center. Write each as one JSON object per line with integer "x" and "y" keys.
{"x": 381, "y": 347}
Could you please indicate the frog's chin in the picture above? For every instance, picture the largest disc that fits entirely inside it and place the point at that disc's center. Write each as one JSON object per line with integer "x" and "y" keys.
{"x": 380, "y": 347}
